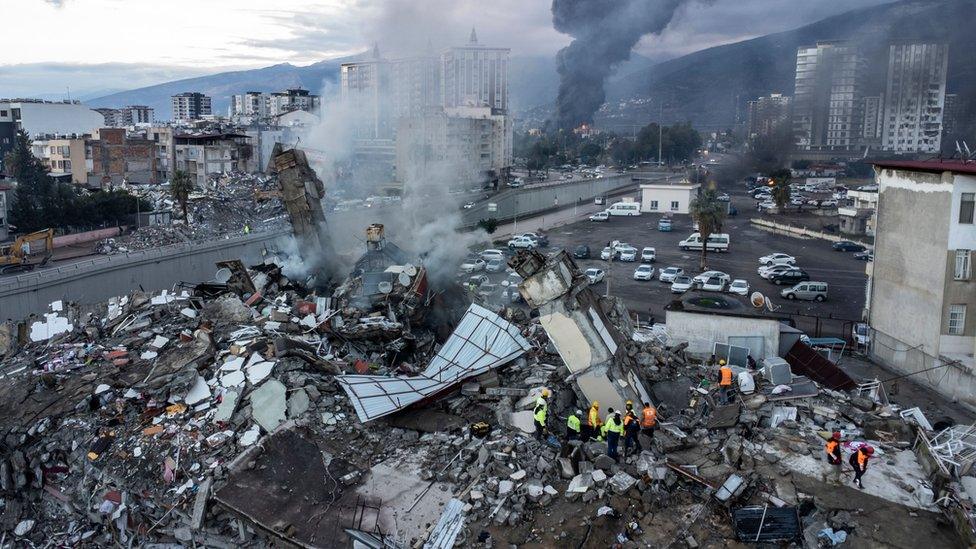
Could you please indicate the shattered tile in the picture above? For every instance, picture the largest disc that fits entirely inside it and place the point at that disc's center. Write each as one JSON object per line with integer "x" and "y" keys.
{"x": 233, "y": 379}
{"x": 250, "y": 436}
{"x": 227, "y": 406}
{"x": 199, "y": 392}
{"x": 257, "y": 372}
{"x": 298, "y": 403}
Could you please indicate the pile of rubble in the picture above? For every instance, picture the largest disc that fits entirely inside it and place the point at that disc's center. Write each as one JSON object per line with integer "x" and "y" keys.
{"x": 228, "y": 204}
{"x": 256, "y": 410}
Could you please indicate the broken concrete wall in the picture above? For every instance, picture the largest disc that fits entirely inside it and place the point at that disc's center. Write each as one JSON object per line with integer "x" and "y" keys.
{"x": 703, "y": 330}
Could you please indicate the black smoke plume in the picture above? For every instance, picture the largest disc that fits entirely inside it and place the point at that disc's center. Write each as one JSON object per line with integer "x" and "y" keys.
{"x": 604, "y": 32}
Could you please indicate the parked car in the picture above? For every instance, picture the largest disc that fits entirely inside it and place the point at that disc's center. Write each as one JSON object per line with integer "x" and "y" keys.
{"x": 595, "y": 275}
{"x": 866, "y": 255}
{"x": 664, "y": 225}
{"x": 777, "y": 258}
{"x": 739, "y": 287}
{"x": 767, "y": 205}
{"x": 724, "y": 197}
{"x": 472, "y": 264}
{"x": 848, "y": 246}
{"x": 582, "y": 252}
{"x": 495, "y": 265}
{"x": 523, "y": 243}
{"x": 513, "y": 279}
{"x": 600, "y": 216}
{"x": 681, "y": 284}
{"x": 606, "y": 253}
{"x": 768, "y": 271}
{"x": 828, "y": 203}
{"x": 861, "y": 333}
{"x": 600, "y": 200}
{"x": 620, "y": 246}
{"x": 540, "y": 239}
{"x": 490, "y": 254}
{"x": 628, "y": 254}
{"x": 713, "y": 284}
{"x": 702, "y": 278}
{"x": 670, "y": 273}
{"x": 791, "y": 276}
{"x": 478, "y": 280}
{"x": 648, "y": 254}
{"x": 808, "y": 291}
{"x": 644, "y": 272}
{"x": 468, "y": 205}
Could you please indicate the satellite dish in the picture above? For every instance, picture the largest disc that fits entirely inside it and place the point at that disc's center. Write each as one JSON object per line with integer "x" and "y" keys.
{"x": 410, "y": 270}
{"x": 385, "y": 287}
{"x": 403, "y": 278}
{"x": 223, "y": 275}
{"x": 757, "y": 299}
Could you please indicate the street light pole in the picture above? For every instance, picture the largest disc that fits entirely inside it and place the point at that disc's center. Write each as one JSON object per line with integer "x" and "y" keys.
{"x": 660, "y": 133}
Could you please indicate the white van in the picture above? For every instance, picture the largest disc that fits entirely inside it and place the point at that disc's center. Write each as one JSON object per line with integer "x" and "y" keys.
{"x": 718, "y": 242}
{"x": 624, "y": 208}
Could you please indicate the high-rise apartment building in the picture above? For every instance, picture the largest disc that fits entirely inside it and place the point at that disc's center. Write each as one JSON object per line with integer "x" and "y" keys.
{"x": 873, "y": 120}
{"x": 915, "y": 97}
{"x": 950, "y": 116}
{"x": 768, "y": 113}
{"x": 827, "y": 97}
{"x": 475, "y": 75}
{"x": 191, "y": 106}
{"x": 365, "y": 90}
{"x": 415, "y": 84}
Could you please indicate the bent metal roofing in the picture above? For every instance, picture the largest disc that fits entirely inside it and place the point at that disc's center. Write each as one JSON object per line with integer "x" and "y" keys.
{"x": 481, "y": 342}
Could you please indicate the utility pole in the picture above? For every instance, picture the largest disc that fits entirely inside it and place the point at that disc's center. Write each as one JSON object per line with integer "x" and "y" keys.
{"x": 660, "y": 133}
{"x": 613, "y": 247}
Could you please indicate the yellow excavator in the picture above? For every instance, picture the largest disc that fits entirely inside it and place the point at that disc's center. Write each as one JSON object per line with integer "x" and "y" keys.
{"x": 21, "y": 255}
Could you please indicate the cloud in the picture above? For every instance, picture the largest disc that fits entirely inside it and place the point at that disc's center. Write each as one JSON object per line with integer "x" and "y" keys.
{"x": 56, "y": 3}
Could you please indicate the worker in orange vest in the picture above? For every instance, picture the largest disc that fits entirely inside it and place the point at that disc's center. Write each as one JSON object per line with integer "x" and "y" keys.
{"x": 725, "y": 381}
{"x": 833, "y": 455}
{"x": 648, "y": 419}
{"x": 859, "y": 461}
{"x": 593, "y": 423}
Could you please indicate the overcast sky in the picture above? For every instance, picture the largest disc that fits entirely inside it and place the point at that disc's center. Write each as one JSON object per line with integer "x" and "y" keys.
{"x": 97, "y": 45}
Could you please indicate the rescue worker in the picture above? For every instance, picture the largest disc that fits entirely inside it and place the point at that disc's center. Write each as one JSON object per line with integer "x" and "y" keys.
{"x": 247, "y": 229}
{"x": 648, "y": 419}
{"x": 573, "y": 425}
{"x": 539, "y": 416}
{"x": 833, "y": 455}
{"x": 725, "y": 381}
{"x": 631, "y": 430}
{"x": 614, "y": 428}
{"x": 543, "y": 398}
{"x": 859, "y": 461}
{"x": 593, "y": 423}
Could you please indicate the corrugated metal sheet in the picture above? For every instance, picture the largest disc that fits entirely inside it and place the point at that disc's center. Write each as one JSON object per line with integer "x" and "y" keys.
{"x": 446, "y": 530}
{"x": 808, "y": 362}
{"x": 481, "y": 341}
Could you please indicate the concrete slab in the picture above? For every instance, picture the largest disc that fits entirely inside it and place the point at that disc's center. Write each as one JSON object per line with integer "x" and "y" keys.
{"x": 268, "y": 405}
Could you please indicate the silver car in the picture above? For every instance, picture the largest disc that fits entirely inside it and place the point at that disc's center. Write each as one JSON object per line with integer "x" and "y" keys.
{"x": 681, "y": 284}
{"x": 807, "y": 291}
{"x": 670, "y": 273}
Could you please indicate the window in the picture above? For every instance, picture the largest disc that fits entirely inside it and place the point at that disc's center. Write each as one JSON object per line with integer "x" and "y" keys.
{"x": 674, "y": 205}
{"x": 966, "y": 207}
{"x": 653, "y": 204}
{"x": 957, "y": 319}
{"x": 963, "y": 264}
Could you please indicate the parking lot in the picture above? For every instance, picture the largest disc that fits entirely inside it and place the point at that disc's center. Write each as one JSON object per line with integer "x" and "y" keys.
{"x": 844, "y": 274}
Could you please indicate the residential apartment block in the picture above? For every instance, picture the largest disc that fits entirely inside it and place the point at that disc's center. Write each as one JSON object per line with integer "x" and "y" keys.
{"x": 191, "y": 106}
{"x": 922, "y": 294}
{"x": 206, "y": 154}
{"x": 261, "y": 106}
{"x": 475, "y": 75}
{"x": 768, "y": 113}
{"x": 827, "y": 98}
{"x": 915, "y": 97}
{"x": 43, "y": 118}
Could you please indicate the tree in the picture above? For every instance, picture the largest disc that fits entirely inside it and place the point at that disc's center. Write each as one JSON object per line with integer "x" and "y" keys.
{"x": 781, "y": 187}
{"x": 180, "y": 187}
{"x": 709, "y": 212}
{"x": 590, "y": 153}
{"x": 490, "y": 224}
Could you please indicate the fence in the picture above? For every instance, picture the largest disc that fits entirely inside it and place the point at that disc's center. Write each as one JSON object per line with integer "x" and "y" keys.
{"x": 947, "y": 377}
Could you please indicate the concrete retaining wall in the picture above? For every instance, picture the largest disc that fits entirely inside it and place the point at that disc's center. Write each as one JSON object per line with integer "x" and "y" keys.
{"x": 803, "y": 232}
{"x": 536, "y": 199}
{"x": 99, "y": 278}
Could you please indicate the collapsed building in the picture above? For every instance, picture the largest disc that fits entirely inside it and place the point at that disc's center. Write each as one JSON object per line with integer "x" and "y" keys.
{"x": 378, "y": 410}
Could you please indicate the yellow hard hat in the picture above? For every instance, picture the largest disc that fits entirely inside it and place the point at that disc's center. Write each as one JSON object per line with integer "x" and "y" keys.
{"x": 721, "y": 362}
{"x": 596, "y": 404}
{"x": 545, "y": 392}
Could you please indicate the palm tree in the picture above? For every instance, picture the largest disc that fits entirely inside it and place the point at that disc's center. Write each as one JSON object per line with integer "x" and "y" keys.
{"x": 781, "y": 187}
{"x": 180, "y": 187}
{"x": 709, "y": 212}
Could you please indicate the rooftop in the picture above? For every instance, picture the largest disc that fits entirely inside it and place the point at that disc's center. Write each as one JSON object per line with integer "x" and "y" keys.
{"x": 935, "y": 165}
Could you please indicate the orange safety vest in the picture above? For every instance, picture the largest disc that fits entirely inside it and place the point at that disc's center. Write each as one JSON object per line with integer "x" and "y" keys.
{"x": 831, "y": 446}
{"x": 862, "y": 459}
{"x": 593, "y": 420}
{"x": 726, "y": 376}
{"x": 650, "y": 417}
